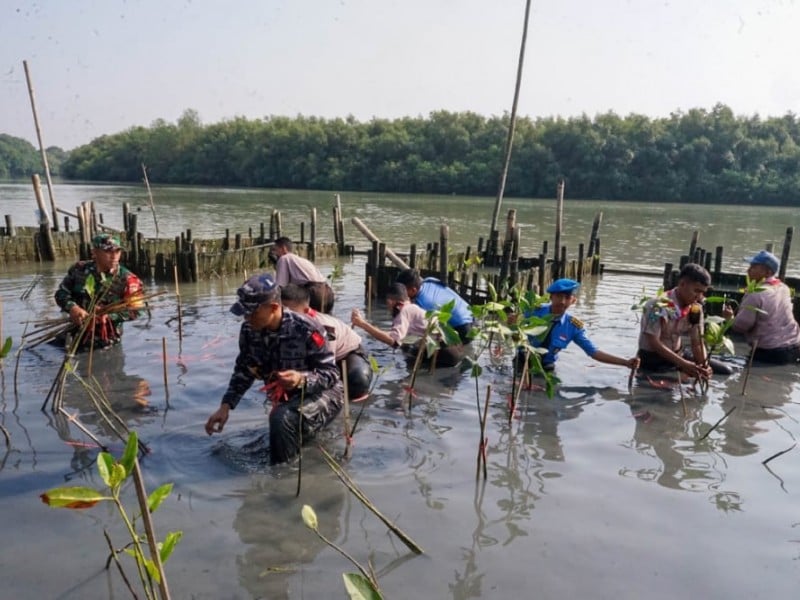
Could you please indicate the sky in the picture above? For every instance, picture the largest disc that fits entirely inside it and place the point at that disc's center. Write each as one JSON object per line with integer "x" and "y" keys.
{"x": 102, "y": 66}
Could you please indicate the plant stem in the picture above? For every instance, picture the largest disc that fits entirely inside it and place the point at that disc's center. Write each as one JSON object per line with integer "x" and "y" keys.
{"x": 370, "y": 577}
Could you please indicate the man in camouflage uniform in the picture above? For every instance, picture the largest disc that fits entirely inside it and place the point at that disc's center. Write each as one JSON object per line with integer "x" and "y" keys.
{"x": 288, "y": 351}
{"x": 101, "y": 289}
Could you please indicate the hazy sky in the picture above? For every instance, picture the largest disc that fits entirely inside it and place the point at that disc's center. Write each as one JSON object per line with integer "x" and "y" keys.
{"x": 102, "y": 66}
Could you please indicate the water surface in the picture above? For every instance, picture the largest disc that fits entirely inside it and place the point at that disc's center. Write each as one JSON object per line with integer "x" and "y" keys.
{"x": 600, "y": 492}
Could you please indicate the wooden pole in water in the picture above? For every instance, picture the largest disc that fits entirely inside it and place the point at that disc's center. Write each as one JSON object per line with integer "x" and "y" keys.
{"x": 513, "y": 121}
{"x": 559, "y": 223}
{"x": 46, "y": 237}
{"x": 693, "y": 244}
{"x": 339, "y": 226}
{"x": 787, "y": 246}
{"x": 42, "y": 151}
{"x": 164, "y": 362}
{"x": 150, "y": 202}
{"x": 398, "y": 262}
{"x": 312, "y": 249}
{"x": 592, "y": 250}
{"x": 348, "y": 447}
{"x": 178, "y": 297}
{"x": 444, "y": 236}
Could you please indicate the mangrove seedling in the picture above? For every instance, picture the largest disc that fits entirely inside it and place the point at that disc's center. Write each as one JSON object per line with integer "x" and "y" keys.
{"x": 114, "y": 474}
{"x": 359, "y": 586}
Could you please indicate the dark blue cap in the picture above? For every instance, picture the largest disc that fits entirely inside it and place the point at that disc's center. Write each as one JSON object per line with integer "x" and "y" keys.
{"x": 563, "y": 286}
{"x": 768, "y": 259}
{"x": 254, "y": 292}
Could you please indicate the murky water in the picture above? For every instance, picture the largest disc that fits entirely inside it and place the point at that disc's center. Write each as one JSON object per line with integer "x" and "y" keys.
{"x": 596, "y": 493}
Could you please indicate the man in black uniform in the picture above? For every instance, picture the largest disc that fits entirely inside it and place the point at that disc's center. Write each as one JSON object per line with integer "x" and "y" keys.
{"x": 288, "y": 351}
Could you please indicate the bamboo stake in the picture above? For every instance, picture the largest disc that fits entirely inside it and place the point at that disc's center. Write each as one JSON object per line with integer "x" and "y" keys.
{"x": 348, "y": 482}
{"x": 518, "y": 389}
{"x": 178, "y": 297}
{"x": 150, "y": 203}
{"x": 483, "y": 441}
{"x": 155, "y": 555}
{"x": 164, "y": 360}
{"x": 42, "y": 150}
{"x": 82, "y": 427}
{"x": 348, "y": 448}
{"x": 513, "y": 119}
{"x": 749, "y": 364}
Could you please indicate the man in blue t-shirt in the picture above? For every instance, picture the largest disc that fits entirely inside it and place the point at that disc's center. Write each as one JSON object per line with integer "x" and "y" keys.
{"x": 432, "y": 294}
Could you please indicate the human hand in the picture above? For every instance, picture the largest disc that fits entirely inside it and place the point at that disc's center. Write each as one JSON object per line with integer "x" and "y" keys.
{"x": 356, "y": 318}
{"x": 217, "y": 421}
{"x": 77, "y": 315}
{"x": 290, "y": 379}
{"x": 633, "y": 363}
{"x": 727, "y": 312}
{"x": 696, "y": 371}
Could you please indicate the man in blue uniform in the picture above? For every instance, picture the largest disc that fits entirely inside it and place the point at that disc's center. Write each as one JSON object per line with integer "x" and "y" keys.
{"x": 288, "y": 351}
{"x": 432, "y": 294}
{"x": 564, "y": 328}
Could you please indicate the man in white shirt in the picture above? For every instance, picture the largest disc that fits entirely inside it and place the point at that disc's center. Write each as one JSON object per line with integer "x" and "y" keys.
{"x": 766, "y": 317}
{"x": 291, "y": 268}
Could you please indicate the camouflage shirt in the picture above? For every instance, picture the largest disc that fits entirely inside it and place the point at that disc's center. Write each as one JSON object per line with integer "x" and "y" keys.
{"x": 83, "y": 283}
{"x": 298, "y": 344}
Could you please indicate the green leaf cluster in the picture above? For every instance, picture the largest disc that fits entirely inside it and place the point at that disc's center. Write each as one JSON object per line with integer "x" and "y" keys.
{"x": 114, "y": 473}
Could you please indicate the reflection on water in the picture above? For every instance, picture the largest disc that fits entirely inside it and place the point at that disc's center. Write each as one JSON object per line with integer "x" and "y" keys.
{"x": 583, "y": 489}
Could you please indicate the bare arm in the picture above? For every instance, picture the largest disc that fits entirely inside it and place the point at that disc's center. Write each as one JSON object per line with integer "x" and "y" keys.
{"x": 605, "y": 357}
{"x": 357, "y": 319}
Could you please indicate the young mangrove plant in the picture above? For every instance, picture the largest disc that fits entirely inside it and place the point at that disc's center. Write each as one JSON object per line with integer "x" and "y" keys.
{"x": 114, "y": 474}
{"x": 502, "y": 329}
{"x": 359, "y": 586}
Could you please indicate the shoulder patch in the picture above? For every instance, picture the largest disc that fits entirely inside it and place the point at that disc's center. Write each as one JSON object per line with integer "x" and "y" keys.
{"x": 318, "y": 339}
{"x": 576, "y": 321}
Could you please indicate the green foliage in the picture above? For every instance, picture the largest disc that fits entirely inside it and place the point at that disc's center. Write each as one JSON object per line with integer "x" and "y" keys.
{"x": 359, "y": 586}
{"x": 114, "y": 474}
{"x": 697, "y": 156}
{"x": 503, "y": 329}
{"x": 18, "y": 158}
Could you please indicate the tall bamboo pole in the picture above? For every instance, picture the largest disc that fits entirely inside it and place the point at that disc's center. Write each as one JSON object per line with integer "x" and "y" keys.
{"x": 41, "y": 147}
{"x": 513, "y": 124}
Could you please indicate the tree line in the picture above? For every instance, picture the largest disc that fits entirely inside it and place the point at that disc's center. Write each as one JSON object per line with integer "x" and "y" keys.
{"x": 709, "y": 156}
{"x": 18, "y": 158}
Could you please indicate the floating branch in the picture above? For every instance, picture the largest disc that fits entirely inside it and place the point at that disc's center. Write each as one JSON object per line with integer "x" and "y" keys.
{"x": 345, "y": 479}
